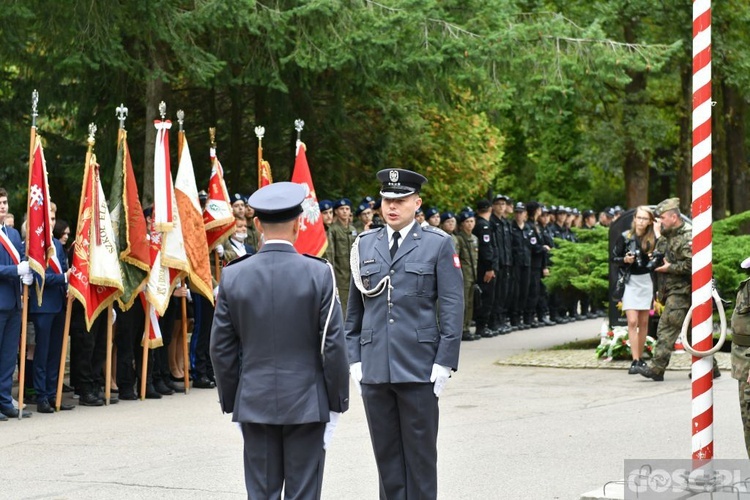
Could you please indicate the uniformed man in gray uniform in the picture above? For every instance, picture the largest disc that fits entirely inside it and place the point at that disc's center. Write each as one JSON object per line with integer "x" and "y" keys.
{"x": 279, "y": 352}
{"x": 403, "y": 330}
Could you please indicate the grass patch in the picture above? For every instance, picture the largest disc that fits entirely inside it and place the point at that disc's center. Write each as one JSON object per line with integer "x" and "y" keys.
{"x": 582, "y": 344}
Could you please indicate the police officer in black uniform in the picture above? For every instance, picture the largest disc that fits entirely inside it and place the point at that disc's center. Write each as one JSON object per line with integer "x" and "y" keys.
{"x": 538, "y": 261}
{"x": 499, "y": 321}
{"x": 521, "y": 266}
{"x": 485, "y": 269}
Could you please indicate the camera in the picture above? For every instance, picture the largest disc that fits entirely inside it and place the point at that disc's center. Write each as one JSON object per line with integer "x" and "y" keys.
{"x": 657, "y": 260}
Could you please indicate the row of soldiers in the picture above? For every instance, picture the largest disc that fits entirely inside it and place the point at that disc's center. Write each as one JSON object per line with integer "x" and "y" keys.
{"x": 504, "y": 251}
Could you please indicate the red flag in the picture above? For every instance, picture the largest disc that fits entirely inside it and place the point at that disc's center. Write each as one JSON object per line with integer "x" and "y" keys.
{"x": 95, "y": 278}
{"x": 40, "y": 246}
{"x": 264, "y": 174}
{"x": 217, "y": 215}
{"x": 312, "y": 233}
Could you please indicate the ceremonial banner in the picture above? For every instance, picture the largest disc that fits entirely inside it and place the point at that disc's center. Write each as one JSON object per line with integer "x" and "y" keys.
{"x": 129, "y": 225}
{"x": 191, "y": 220}
{"x": 40, "y": 246}
{"x": 154, "y": 331}
{"x": 94, "y": 277}
{"x": 169, "y": 260}
{"x": 312, "y": 233}
{"x": 218, "y": 217}
{"x": 264, "y": 173}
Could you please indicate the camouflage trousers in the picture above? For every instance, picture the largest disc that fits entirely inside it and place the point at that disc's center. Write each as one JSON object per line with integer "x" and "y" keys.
{"x": 670, "y": 325}
{"x": 740, "y": 369}
{"x": 468, "y": 303}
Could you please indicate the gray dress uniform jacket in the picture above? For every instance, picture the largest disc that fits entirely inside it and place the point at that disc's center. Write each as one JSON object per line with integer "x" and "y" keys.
{"x": 266, "y": 340}
{"x": 398, "y": 342}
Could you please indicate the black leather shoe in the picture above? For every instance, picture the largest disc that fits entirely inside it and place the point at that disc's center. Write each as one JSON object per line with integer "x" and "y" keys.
{"x": 90, "y": 399}
{"x": 3, "y": 418}
{"x": 151, "y": 392}
{"x": 67, "y": 388}
{"x": 13, "y": 413}
{"x": 43, "y": 406}
{"x": 63, "y": 406}
{"x": 485, "y": 333}
{"x": 162, "y": 388}
{"x": 203, "y": 383}
{"x": 128, "y": 396}
{"x": 633, "y": 370}
{"x": 467, "y": 336}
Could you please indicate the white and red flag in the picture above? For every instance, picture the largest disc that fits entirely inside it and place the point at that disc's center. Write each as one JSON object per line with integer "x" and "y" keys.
{"x": 218, "y": 217}
{"x": 312, "y": 233}
{"x": 40, "y": 246}
{"x": 94, "y": 278}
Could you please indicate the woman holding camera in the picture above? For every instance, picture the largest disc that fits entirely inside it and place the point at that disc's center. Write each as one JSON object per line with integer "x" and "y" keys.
{"x": 632, "y": 252}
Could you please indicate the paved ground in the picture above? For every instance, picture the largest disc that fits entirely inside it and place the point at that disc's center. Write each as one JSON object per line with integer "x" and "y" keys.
{"x": 506, "y": 432}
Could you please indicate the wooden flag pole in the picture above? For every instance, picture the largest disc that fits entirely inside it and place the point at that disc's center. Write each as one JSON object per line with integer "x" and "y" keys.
{"x": 144, "y": 359}
{"x": 63, "y": 353}
{"x": 185, "y": 347}
{"x": 25, "y": 300}
{"x": 108, "y": 365}
{"x": 183, "y": 300}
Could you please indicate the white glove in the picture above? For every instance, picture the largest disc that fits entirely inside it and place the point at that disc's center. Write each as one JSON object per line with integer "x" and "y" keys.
{"x": 27, "y": 279}
{"x": 440, "y": 375}
{"x": 114, "y": 316}
{"x": 220, "y": 250}
{"x": 330, "y": 427}
{"x": 216, "y": 293}
{"x": 355, "y": 371}
{"x": 23, "y": 268}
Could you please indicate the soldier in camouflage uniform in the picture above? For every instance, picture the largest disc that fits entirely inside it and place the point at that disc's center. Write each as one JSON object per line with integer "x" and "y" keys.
{"x": 467, "y": 247}
{"x": 342, "y": 234}
{"x": 326, "y": 211}
{"x": 675, "y": 242}
{"x": 741, "y": 352}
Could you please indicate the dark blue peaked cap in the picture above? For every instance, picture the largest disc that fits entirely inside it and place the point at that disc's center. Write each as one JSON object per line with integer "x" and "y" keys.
{"x": 278, "y": 202}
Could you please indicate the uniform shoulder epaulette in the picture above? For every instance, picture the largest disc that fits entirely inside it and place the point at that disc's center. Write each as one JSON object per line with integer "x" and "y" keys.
{"x": 319, "y": 259}
{"x": 238, "y": 259}
{"x": 435, "y": 230}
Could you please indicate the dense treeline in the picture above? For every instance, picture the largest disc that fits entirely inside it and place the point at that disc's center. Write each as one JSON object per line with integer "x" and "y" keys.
{"x": 585, "y": 103}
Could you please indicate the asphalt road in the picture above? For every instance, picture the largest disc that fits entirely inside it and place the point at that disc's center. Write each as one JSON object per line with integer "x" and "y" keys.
{"x": 506, "y": 433}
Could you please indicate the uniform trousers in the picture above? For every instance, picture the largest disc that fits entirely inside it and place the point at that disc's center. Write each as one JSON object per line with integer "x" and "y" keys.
{"x": 670, "y": 324}
{"x": 199, "y": 343}
{"x": 468, "y": 303}
{"x": 535, "y": 290}
{"x": 91, "y": 350}
{"x": 283, "y": 456}
{"x": 522, "y": 277}
{"x": 49, "y": 334}
{"x": 10, "y": 333}
{"x": 483, "y": 302}
{"x": 403, "y": 423}
{"x": 502, "y": 291}
{"x": 130, "y": 325}
{"x": 161, "y": 354}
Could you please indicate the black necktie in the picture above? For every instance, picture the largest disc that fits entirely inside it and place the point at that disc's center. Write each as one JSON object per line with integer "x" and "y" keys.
{"x": 394, "y": 245}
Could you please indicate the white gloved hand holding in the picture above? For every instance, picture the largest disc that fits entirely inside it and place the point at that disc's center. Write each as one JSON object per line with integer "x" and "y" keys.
{"x": 220, "y": 250}
{"x": 216, "y": 293}
{"x": 440, "y": 375}
{"x": 330, "y": 427}
{"x": 23, "y": 268}
{"x": 27, "y": 279}
{"x": 114, "y": 316}
{"x": 355, "y": 371}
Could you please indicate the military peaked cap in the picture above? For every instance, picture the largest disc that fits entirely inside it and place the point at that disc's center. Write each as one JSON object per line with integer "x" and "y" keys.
{"x": 398, "y": 183}
{"x": 278, "y": 202}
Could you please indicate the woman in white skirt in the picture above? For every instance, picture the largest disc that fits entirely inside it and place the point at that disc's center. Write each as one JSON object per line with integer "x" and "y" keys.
{"x": 632, "y": 252}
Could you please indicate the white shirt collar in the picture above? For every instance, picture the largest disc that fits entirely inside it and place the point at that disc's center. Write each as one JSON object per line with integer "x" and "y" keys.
{"x": 403, "y": 232}
{"x": 285, "y": 242}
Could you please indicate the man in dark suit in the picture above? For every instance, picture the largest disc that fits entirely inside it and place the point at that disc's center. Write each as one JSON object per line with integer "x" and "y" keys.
{"x": 403, "y": 330}
{"x": 12, "y": 267}
{"x": 48, "y": 319}
{"x": 279, "y": 356}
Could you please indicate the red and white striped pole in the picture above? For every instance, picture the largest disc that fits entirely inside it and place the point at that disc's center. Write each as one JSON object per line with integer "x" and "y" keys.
{"x": 702, "y": 321}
